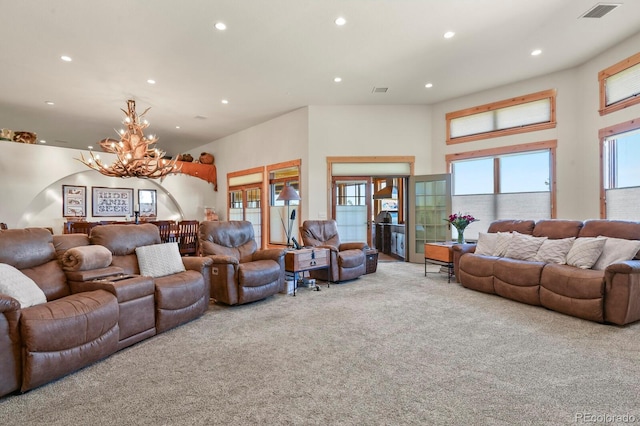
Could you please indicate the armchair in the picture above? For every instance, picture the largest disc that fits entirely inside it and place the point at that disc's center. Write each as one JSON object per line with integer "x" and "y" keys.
{"x": 241, "y": 273}
{"x": 348, "y": 260}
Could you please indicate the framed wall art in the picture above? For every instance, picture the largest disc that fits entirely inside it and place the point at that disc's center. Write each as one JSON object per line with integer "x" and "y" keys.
{"x": 111, "y": 202}
{"x": 147, "y": 203}
{"x": 74, "y": 201}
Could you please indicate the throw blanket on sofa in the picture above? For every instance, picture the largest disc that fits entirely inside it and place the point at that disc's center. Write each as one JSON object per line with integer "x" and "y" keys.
{"x": 85, "y": 258}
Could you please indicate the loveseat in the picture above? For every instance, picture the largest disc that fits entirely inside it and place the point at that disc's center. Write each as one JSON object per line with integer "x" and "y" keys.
{"x": 87, "y": 299}
{"x": 589, "y": 270}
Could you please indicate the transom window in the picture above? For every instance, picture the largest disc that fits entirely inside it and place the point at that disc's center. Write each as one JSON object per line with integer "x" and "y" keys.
{"x": 523, "y": 114}
{"x": 620, "y": 85}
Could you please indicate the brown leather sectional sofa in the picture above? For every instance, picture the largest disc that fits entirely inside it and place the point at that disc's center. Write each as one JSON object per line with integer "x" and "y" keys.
{"x": 89, "y": 314}
{"x": 611, "y": 295}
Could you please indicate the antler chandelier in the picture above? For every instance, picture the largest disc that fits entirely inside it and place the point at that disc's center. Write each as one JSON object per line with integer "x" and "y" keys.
{"x": 135, "y": 157}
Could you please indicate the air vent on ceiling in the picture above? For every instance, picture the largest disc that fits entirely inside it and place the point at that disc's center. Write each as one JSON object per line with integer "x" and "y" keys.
{"x": 60, "y": 141}
{"x": 599, "y": 10}
{"x": 380, "y": 89}
{"x": 200, "y": 117}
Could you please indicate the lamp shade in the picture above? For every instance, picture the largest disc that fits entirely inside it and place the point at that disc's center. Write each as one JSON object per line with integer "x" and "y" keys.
{"x": 288, "y": 194}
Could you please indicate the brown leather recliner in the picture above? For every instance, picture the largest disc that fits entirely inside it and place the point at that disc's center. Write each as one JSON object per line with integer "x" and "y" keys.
{"x": 348, "y": 260}
{"x": 240, "y": 272}
{"x": 32, "y": 350}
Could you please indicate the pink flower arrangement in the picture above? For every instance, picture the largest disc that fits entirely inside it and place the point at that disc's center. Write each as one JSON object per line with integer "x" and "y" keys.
{"x": 460, "y": 221}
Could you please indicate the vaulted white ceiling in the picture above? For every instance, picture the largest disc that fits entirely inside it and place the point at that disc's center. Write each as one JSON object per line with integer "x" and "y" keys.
{"x": 275, "y": 56}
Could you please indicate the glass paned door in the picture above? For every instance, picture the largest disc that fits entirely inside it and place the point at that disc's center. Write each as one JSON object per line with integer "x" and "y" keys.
{"x": 245, "y": 204}
{"x": 429, "y": 206}
{"x": 352, "y": 211}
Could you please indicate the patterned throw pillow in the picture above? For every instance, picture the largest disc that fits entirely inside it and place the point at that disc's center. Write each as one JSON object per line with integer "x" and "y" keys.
{"x": 585, "y": 252}
{"x": 502, "y": 243}
{"x": 22, "y": 288}
{"x": 159, "y": 260}
{"x": 555, "y": 251}
{"x": 486, "y": 243}
{"x": 617, "y": 250}
{"x": 524, "y": 247}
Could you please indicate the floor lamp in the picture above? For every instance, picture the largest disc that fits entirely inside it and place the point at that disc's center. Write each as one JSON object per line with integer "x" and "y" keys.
{"x": 287, "y": 195}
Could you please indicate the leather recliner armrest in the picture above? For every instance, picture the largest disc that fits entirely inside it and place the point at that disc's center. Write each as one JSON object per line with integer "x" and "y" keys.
{"x": 268, "y": 254}
{"x": 222, "y": 259}
{"x": 353, "y": 245}
{"x": 194, "y": 263}
{"x": 458, "y": 251}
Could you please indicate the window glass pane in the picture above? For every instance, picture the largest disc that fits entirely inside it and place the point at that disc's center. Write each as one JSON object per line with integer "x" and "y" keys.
{"x": 623, "y": 85}
{"x": 472, "y": 124}
{"x": 524, "y": 114}
{"x": 626, "y": 149}
{"x": 473, "y": 176}
{"x": 526, "y": 172}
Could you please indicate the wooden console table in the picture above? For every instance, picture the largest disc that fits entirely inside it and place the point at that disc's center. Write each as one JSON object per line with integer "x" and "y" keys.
{"x": 439, "y": 254}
{"x": 304, "y": 260}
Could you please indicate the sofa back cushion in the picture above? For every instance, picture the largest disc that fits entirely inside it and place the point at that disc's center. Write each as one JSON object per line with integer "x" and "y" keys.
{"x": 509, "y": 225}
{"x": 611, "y": 228}
{"x": 233, "y": 238}
{"x": 556, "y": 229}
{"x": 122, "y": 240}
{"x": 31, "y": 251}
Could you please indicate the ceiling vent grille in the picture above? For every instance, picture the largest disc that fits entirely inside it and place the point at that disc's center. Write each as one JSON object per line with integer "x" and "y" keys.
{"x": 599, "y": 10}
{"x": 380, "y": 89}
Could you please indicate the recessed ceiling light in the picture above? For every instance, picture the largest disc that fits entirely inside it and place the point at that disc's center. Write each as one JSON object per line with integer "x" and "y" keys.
{"x": 337, "y": 79}
{"x": 340, "y": 21}
{"x": 43, "y": 141}
{"x": 151, "y": 81}
{"x": 220, "y": 26}
{"x": 449, "y": 34}
{"x": 66, "y": 58}
{"x": 49, "y": 102}
{"x": 224, "y": 101}
{"x": 536, "y": 52}
{"x": 90, "y": 147}
{"x": 428, "y": 85}
{"x": 177, "y": 127}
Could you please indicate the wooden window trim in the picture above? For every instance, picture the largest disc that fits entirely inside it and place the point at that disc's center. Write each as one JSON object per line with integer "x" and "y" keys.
{"x": 545, "y": 94}
{"x": 604, "y": 133}
{"x": 602, "y": 80}
{"x": 551, "y": 145}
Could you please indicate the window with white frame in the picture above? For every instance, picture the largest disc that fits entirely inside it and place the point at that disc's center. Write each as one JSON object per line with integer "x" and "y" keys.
{"x": 527, "y": 113}
{"x": 510, "y": 183}
{"x": 620, "y": 85}
{"x": 621, "y": 175}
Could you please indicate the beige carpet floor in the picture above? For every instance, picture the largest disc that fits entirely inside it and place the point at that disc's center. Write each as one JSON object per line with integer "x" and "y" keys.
{"x": 391, "y": 348}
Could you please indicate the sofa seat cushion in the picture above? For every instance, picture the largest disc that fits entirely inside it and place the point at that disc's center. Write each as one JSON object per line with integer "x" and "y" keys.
{"x": 258, "y": 272}
{"x": 518, "y": 279}
{"x": 67, "y": 334}
{"x": 180, "y": 298}
{"x": 573, "y": 291}
{"x": 476, "y": 272}
{"x": 351, "y": 258}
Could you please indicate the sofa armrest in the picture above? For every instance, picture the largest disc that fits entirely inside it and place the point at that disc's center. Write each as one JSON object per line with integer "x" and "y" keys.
{"x": 622, "y": 292}
{"x": 331, "y": 248}
{"x": 125, "y": 290}
{"x": 352, "y": 246}
{"x": 195, "y": 263}
{"x": 93, "y": 274}
{"x": 458, "y": 251}
{"x": 268, "y": 254}
{"x": 8, "y": 304}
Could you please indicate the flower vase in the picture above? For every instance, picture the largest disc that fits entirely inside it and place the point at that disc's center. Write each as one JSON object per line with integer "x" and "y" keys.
{"x": 460, "y": 236}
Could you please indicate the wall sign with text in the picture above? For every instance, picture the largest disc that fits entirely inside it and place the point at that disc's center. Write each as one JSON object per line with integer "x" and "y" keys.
{"x": 112, "y": 202}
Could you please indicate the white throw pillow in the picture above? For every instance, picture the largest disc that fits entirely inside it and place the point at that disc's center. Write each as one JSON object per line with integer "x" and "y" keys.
{"x": 555, "y": 251}
{"x": 524, "y": 247}
{"x": 617, "y": 250}
{"x": 585, "y": 252}
{"x": 19, "y": 286}
{"x": 502, "y": 243}
{"x": 159, "y": 260}
{"x": 486, "y": 243}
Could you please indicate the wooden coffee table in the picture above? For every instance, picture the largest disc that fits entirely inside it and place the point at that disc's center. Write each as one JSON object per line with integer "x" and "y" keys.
{"x": 439, "y": 254}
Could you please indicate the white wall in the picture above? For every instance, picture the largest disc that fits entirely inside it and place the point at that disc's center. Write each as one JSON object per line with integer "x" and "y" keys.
{"x": 578, "y": 161}
{"x": 31, "y": 187}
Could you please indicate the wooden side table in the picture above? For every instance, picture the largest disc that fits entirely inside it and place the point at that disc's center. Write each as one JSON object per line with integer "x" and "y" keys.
{"x": 304, "y": 260}
{"x": 439, "y": 254}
